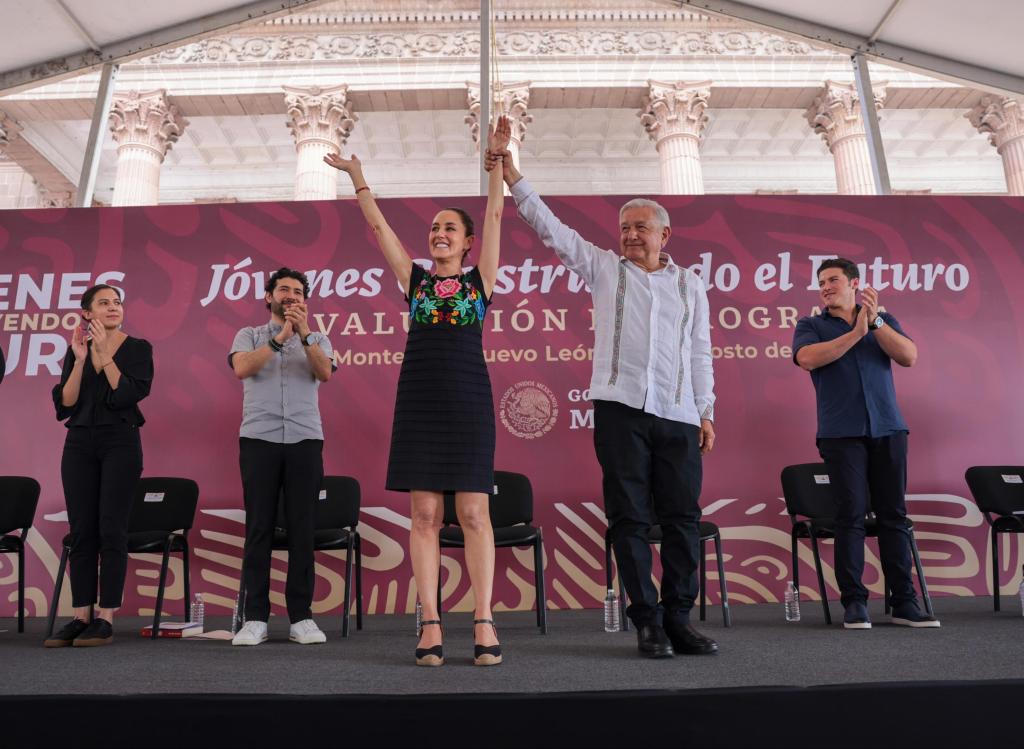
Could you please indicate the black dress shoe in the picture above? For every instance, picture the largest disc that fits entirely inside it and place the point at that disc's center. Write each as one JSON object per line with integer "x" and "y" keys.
{"x": 652, "y": 641}
{"x": 688, "y": 641}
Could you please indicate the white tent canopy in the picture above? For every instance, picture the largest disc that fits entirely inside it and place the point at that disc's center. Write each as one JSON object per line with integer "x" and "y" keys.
{"x": 977, "y": 43}
{"x": 44, "y": 40}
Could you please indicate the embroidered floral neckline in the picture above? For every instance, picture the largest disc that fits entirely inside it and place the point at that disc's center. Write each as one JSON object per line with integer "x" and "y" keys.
{"x": 447, "y": 299}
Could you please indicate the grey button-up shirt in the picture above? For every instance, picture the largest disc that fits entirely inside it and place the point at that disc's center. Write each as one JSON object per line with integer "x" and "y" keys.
{"x": 280, "y": 403}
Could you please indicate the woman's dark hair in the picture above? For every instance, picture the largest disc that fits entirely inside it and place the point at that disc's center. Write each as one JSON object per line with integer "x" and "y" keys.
{"x": 467, "y": 223}
{"x": 467, "y": 220}
{"x": 91, "y": 292}
{"x": 287, "y": 273}
{"x": 848, "y": 267}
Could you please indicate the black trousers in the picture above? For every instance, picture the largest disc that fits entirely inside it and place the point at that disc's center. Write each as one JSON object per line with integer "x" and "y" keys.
{"x": 100, "y": 468}
{"x": 652, "y": 474}
{"x": 873, "y": 471}
{"x": 270, "y": 472}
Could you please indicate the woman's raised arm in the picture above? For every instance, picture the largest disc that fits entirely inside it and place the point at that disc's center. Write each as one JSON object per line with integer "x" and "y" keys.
{"x": 387, "y": 240}
{"x": 497, "y": 141}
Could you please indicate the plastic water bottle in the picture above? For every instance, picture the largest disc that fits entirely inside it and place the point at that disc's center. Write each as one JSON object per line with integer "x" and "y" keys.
{"x": 792, "y": 602}
{"x": 419, "y": 618}
{"x": 1020, "y": 592}
{"x": 198, "y": 611}
{"x": 611, "y": 612}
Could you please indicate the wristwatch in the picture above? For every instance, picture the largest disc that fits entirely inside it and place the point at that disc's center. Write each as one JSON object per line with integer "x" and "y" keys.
{"x": 309, "y": 340}
{"x": 879, "y": 322}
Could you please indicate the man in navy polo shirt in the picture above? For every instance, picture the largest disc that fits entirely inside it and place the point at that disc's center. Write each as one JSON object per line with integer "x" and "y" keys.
{"x": 849, "y": 349}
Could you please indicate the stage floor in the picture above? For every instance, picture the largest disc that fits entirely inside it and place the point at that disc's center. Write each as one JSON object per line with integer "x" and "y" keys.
{"x": 760, "y": 649}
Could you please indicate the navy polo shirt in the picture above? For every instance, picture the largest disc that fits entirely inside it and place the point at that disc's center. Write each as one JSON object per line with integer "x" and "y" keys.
{"x": 855, "y": 393}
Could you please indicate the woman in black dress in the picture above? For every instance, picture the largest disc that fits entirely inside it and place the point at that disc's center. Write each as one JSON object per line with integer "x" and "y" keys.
{"x": 105, "y": 375}
{"x": 442, "y": 438}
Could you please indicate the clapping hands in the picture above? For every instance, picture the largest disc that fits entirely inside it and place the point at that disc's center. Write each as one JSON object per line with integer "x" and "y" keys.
{"x": 78, "y": 344}
{"x": 868, "y": 309}
{"x": 99, "y": 336}
{"x": 295, "y": 319}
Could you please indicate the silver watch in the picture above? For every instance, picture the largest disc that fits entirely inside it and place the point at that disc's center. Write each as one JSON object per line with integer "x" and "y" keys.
{"x": 879, "y": 322}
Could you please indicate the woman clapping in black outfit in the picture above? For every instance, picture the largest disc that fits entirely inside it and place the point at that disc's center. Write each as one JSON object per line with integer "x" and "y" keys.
{"x": 105, "y": 375}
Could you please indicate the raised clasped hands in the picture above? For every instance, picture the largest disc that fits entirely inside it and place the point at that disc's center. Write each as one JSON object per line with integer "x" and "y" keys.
{"x": 498, "y": 138}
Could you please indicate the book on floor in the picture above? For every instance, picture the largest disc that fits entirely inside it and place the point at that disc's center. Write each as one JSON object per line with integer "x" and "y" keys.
{"x": 173, "y": 629}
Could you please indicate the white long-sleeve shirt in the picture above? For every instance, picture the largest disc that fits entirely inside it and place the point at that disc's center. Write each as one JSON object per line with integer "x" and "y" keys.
{"x": 652, "y": 339}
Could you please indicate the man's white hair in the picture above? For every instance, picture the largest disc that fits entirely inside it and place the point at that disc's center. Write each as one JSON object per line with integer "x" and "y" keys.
{"x": 660, "y": 214}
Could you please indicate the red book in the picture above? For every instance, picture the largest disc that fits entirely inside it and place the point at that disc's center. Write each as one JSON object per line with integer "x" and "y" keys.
{"x": 173, "y": 629}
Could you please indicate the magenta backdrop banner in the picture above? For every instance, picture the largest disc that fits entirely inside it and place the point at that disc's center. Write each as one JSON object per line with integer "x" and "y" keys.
{"x": 948, "y": 268}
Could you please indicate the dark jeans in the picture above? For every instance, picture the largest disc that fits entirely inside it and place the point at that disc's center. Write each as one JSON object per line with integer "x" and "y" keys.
{"x": 870, "y": 470}
{"x": 100, "y": 468}
{"x": 652, "y": 474}
{"x": 268, "y": 470}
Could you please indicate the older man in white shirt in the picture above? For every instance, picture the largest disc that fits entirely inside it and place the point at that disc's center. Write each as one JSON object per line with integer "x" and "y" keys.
{"x": 653, "y": 393}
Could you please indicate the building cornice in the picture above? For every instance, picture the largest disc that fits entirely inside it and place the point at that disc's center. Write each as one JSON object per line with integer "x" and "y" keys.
{"x": 358, "y": 45}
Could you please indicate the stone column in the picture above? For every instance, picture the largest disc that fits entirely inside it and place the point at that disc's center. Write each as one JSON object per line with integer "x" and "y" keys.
{"x": 673, "y": 116}
{"x": 320, "y": 119}
{"x": 145, "y": 125}
{"x": 511, "y": 99}
{"x": 1003, "y": 120}
{"x": 835, "y": 115}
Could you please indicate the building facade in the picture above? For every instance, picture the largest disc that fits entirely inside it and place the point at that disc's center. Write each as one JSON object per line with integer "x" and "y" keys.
{"x": 634, "y": 97}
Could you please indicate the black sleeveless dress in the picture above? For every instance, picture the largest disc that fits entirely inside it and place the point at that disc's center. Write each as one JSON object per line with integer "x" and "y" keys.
{"x": 442, "y": 438}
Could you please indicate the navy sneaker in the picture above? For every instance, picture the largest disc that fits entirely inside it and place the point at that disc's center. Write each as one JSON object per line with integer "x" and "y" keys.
{"x": 856, "y": 616}
{"x": 909, "y": 615}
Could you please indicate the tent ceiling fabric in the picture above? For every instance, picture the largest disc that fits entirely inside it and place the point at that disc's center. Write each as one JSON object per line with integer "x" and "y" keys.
{"x": 971, "y": 42}
{"x": 42, "y": 40}
{"x": 976, "y": 42}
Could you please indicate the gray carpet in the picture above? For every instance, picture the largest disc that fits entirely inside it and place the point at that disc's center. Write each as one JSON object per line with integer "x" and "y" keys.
{"x": 760, "y": 649}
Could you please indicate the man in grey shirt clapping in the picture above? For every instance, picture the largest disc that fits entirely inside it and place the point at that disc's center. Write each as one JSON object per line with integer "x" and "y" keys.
{"x": 281, "y": 365}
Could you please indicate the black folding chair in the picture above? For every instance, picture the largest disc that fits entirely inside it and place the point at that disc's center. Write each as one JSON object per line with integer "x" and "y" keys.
{"x": 998, "y": 491}
{"x": 812, "y": 505}
{"x": 162, "y": 513}
{"x": 708, "y": 532}
{"x": 511, "y": 510}
{"x": 19, "y": 496}
{"x": 335, "y": 521}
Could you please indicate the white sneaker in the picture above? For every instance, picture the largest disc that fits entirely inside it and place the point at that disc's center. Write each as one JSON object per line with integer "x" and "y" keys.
{"x": 306, "y": 633}
{"x": 251, "y": 633}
